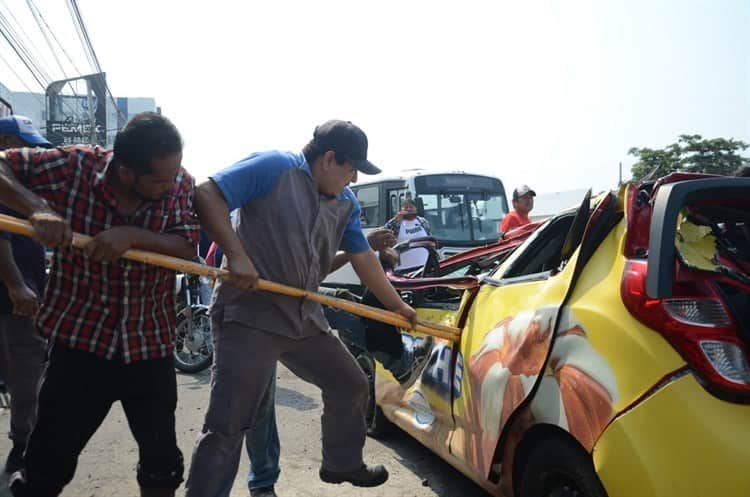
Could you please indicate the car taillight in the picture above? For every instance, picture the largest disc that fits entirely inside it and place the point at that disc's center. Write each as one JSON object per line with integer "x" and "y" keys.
{"x": 697, "y": 323}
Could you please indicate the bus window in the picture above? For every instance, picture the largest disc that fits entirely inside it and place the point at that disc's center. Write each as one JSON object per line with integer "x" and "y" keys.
{"x": 462, "y": 209}
{"x": 369, "y": 203}
{"x": 393, "y": 205}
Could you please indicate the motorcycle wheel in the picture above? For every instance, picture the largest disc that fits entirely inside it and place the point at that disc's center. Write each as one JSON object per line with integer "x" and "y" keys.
{"x": 193, "y": 350}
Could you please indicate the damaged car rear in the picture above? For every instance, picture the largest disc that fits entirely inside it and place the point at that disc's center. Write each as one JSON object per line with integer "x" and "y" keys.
{"x": 604, "y": 353}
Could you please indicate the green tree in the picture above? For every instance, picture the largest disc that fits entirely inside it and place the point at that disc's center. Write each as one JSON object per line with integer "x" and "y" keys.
{"x": 691, "y": 153}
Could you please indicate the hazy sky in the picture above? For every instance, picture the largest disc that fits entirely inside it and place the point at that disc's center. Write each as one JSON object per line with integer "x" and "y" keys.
{"x": 549, "y": 93}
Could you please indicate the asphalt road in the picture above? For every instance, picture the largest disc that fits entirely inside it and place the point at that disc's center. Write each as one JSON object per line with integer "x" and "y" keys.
{"x": 107, "y": 466}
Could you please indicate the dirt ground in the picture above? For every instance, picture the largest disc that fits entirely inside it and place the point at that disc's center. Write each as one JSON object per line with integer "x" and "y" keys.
{"x": 107, "y": 466}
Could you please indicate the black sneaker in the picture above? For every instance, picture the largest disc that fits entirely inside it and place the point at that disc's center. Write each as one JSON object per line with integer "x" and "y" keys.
{"x": 366, "y": 476}
{"x": 420, "y": 354}
{"x": 15, "y": 459}
{"x": 263, "y": 492}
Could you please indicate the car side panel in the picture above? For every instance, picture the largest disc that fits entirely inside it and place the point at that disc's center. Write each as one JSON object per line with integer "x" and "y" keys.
{"x": 504, "y": 345}
{"x": 680, "y": 441}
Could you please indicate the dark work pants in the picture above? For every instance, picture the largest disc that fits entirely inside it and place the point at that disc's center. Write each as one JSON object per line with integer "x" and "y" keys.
{"x": 77, "y": 391}
{"x": 244, "y": 364}
{"x": 22, "y": 353}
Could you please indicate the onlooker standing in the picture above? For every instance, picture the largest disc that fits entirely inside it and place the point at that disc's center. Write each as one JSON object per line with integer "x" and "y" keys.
{"x": 22, "y": 349}
{"x": 407, "y": 225}
{"x": 110, "y": 322}
{"x": 523, "y": 202}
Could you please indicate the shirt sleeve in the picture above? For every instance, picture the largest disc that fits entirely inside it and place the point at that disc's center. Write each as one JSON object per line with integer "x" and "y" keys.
{"x": 252, "y": 177}
{"x": 183, "y": 219}
{"x": 354, "y": 240}
{"x": 426, "y": 225}
{"x": 390, "y": 225}
{"x": 43, "y": 171}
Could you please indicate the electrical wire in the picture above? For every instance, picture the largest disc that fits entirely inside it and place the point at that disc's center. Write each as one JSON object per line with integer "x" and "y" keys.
{"x": 46, "y": 38}
{"x": 29, "y": 48}
{"x": 51, "y": 32}
{"x": 35, "y": 95}
{"x": 90, "y": 47}
{"x": 18, "y": 50}
{"x": 76, "y": 24}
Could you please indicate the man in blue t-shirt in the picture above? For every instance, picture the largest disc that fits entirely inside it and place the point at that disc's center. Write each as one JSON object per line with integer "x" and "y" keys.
{"x": 294, "y": 213}
{"x": 22, "y": 280}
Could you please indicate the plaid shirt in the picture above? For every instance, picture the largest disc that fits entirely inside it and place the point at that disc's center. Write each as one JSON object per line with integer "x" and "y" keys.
{"x": 102, "y": 308}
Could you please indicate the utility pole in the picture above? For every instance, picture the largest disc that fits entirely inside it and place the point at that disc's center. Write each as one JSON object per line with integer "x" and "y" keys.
{"x": 620, "y": 180}
{"x": 92, "y": 122}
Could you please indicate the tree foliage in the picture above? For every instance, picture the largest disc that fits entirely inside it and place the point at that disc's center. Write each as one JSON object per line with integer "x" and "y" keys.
{"x": 691, "y": 153}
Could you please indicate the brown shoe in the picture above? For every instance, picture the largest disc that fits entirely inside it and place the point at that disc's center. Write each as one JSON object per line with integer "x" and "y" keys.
{"x": 366, "y": 476}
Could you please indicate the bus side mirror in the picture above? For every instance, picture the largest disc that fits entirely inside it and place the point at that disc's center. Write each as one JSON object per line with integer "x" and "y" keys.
{"x": 420, "y": 206}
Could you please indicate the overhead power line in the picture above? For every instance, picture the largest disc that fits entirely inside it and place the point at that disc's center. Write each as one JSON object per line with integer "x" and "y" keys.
{"x": 89, "y": 49}
{"x": 37, "y": 17}
{"x": 22, "y": 54}
{"x": 35, "y": 95}
{"x": 25, "y": 41}
{"x": 57, "y": 40}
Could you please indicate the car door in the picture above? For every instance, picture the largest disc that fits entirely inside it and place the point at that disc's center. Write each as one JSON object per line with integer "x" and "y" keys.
{"x": 509, "y": 333}
{"x": 423, "y": 406}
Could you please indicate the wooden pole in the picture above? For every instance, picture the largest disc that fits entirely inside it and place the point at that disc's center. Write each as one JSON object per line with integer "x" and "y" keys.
{"x": 22, "y": 227}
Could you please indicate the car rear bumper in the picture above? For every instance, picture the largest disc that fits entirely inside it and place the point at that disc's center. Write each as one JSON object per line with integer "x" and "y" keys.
{"x": 681, "y": 441}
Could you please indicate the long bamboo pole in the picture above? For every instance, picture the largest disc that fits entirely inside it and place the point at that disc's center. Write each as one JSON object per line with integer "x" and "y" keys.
{"x": 22, "y": 227}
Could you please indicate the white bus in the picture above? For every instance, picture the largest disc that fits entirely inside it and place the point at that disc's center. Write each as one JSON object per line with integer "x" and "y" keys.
{"x": 464, "y": 209}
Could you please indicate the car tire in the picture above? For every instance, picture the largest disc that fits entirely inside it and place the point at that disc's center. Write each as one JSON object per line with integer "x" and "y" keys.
{"x": 557, "y": 467}
{"x": 378, "y": 425}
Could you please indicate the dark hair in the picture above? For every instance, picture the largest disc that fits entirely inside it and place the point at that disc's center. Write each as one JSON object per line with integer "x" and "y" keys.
{"x": 743, "y": 171}
{"x": 313, "y": 150}
{"x": 145, "y": 137}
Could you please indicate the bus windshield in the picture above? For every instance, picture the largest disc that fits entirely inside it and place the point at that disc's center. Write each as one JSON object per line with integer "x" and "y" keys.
{"x": 462, "y": 209}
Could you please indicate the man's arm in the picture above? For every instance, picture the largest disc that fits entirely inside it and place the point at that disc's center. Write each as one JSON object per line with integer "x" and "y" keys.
{"x": 339, "y": 260}
{"x": 49, "y": 227}
{"x": 214, "y": 215}
{"x": 368, "y": 269}
{"x": 379, "y": 239}
{"x": 24, "y": 300}
{"x": 109, "y": 245}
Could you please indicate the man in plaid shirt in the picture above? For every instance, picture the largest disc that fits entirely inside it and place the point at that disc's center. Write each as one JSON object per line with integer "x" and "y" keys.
{"x": 109, "y": 321}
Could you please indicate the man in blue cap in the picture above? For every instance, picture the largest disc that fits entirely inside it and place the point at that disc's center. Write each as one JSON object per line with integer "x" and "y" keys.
{"x": 22, "y": 280}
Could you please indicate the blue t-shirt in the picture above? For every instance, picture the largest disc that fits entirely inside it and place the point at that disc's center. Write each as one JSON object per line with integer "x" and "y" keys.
{"x": 257, "y": 175}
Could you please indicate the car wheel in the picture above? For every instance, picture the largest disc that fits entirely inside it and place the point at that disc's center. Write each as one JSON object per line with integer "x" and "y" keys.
{"x": 377, "y": 424}
{"x": 559, "y": 468}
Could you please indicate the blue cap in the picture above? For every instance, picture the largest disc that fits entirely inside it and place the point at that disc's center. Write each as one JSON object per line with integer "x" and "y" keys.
{"x": 23, "y": 128}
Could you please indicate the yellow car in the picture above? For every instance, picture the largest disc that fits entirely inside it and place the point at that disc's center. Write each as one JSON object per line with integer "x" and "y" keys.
{"x": 606, "y": 355}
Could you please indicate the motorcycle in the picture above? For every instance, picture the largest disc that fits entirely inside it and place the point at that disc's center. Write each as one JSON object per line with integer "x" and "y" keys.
{"x": 193, "y": 348}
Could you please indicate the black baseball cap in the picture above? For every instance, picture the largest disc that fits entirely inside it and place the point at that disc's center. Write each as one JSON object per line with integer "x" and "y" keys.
{"x": 348, "y": 141}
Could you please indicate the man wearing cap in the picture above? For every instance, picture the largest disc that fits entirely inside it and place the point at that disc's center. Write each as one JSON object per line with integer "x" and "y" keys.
{"x": 523, "y": 202}
{"x": 22, "y": 277}
{"x": 295, "y": 211}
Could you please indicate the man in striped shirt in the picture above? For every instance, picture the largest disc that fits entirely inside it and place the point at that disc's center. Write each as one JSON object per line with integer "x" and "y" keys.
{"x": 109, "y": 321}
